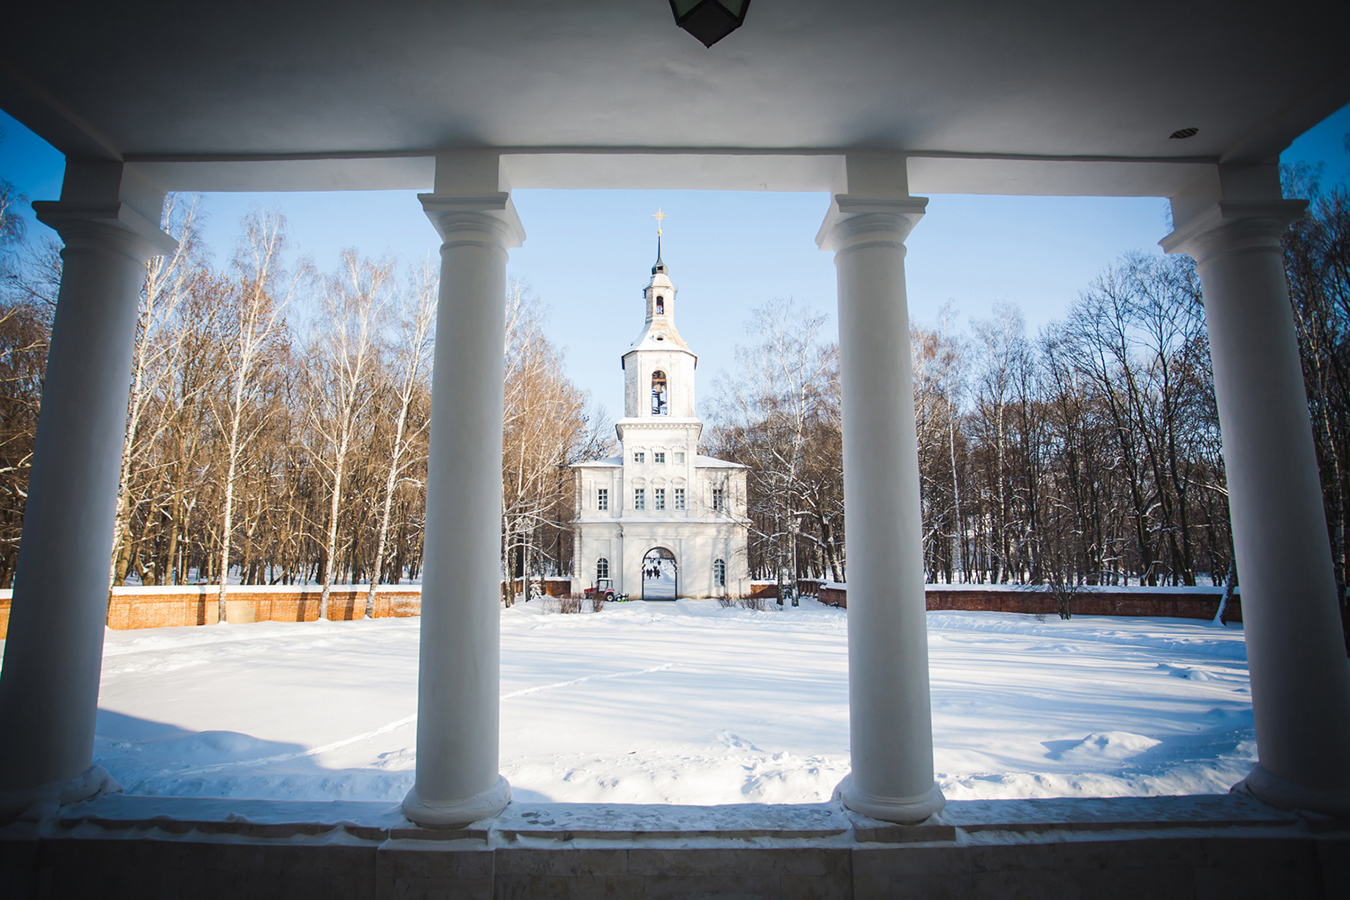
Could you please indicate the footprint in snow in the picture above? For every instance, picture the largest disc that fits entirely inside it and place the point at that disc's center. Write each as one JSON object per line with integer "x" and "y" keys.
{"x": 736, "y": 742}
{"x": 1183, "y": 672}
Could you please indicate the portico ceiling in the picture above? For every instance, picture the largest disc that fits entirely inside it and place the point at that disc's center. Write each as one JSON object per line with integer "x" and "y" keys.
{"x": 1013, "y": 85}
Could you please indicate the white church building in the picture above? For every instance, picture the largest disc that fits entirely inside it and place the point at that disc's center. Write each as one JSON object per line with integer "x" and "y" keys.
{"x": 659, "y": 520}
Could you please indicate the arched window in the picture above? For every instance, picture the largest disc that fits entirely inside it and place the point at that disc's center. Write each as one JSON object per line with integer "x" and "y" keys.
{"x": 601, "y": 568}
{"x": 720, "y": 573}
{"x": 659, "y": 407}
{"x": 660, "y": 305}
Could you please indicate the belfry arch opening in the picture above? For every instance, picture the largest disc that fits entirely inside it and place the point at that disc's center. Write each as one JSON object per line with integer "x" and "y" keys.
{"x": 660, "y": 397}
{"x": 660, "y": 575}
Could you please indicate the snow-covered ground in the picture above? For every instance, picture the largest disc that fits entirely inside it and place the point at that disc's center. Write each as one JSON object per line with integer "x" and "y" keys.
{"x": 681, "y": 703}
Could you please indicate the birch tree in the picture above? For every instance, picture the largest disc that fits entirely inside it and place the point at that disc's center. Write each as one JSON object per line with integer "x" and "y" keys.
{"x": 545, "y": 427}
{"x": 412, "y": 355}
{"x": 168, "y": 279}
{"x": 345, "y": 354}
{"x": 765, "y": 416}
{"x": 259, "y": 300}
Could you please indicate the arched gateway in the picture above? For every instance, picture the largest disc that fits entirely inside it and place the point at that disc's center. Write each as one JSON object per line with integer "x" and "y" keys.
{"x": 660, "y": 575}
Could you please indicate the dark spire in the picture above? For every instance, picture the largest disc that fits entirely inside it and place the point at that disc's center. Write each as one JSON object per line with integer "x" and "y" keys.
{"x": 660, "y": 266}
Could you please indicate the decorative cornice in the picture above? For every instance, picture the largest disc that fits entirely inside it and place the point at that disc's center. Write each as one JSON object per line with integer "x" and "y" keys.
{"x": 65, "y": 218}
{"x": 851, "y": 215}
{"x": 449, "y": 212}
{"x": 1234, "y": 225}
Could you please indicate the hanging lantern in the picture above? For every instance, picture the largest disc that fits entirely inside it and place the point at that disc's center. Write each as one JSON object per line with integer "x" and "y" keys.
{"x": 709, "y": 20}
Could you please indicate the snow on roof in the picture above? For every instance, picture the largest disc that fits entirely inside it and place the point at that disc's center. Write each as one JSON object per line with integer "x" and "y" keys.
{"x": 660, "y": 335}
{"x": 613, "y": 461}
{"x": 709, "y": 462}
{"x": 701, "y": 462}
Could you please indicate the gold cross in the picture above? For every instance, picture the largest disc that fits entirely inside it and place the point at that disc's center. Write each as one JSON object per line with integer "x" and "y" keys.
{"x": 658, "y": 216}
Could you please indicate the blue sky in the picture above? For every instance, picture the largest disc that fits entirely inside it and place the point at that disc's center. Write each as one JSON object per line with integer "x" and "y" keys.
{"x": 588, "y": 253}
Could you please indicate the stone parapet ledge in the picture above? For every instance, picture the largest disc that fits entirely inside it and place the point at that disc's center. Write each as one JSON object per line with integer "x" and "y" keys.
{"x": 623, "y": 824}
{"x": 1158, "y": 847}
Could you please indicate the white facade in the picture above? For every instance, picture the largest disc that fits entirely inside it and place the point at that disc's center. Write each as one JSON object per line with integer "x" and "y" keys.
{"x": 659, "y": 494}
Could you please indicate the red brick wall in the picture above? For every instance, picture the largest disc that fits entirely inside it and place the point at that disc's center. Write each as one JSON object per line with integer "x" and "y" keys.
{"x": 192, "y": 605}
{"x": 553, "y": 587}
{"x": 160, "y": 607}
{"x": 1132, "y": 601}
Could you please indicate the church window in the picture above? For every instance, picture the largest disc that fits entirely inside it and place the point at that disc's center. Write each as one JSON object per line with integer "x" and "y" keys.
{"x": 601, "y": 568}
{"x": 639, "y": 457}
{"x": 659, "y": 495}
{"x": 660, "y": 305}
{"x": 659, "y": 393}
{"x": 658, "y": 457}
{"x": 639, "y": 498}
{"x": 720, "y": 573}
{"x": 602, "y": 499}
{"x": 719, "y": 499}
{"x": 679, "y": 458}
{"x": 679, "y": 498}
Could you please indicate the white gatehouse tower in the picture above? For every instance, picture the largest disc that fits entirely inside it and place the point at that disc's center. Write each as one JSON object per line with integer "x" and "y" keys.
{"x": 659, "y": 520}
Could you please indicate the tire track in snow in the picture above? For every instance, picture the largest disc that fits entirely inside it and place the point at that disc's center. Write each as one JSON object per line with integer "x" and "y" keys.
{"x": 299, "y": 754}
{"x": 561, "y": 684}
{"x": 406, "y": 720}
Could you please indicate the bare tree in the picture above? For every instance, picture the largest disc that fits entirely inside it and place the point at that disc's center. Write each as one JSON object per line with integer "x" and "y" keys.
{"x": 546, "y": 426}
{"x": 412, "y": 356}
{"x": 764, "y": 418}
{"x": 345, "y": 354}
{"x": 259, "y": 301}
{"x": 168, "y": 280}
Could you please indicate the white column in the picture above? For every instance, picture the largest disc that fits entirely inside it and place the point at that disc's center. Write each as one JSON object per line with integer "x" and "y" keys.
{"x": 890, "y": 719}
{"x": 458, "y": 676}
{"x": 54, "y": 652}
{"x": 1299, "y": 677}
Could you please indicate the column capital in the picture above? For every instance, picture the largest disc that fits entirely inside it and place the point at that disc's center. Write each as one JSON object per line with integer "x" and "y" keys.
{"x": 853, "y": 220}
{"x": 1233, "y": 226}
{"x": 111, "y": 226}
{"x": 457, "y": 216}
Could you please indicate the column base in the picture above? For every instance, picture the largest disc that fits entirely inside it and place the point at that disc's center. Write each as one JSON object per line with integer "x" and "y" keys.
{"x": 457, "y": 813}
{"x": 1285, "y": 794}
{"x": 35, "y": 802}
{"x": 902, "y": 810}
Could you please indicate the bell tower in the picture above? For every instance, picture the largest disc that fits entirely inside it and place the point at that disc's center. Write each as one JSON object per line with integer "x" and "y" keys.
{"x": 659, "y": 366}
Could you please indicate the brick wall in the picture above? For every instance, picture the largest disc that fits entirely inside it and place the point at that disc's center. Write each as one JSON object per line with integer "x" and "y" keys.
{"x": 160, "y": 607}
{"x": 1176, "y": 603}
{"x": 157, "y": 607}
{"x": 553, "y": 587}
